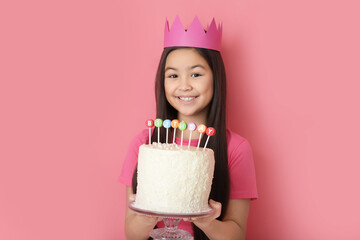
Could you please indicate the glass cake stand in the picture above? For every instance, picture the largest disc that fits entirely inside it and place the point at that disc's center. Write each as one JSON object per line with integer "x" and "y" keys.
{"x": 171, "y": 221}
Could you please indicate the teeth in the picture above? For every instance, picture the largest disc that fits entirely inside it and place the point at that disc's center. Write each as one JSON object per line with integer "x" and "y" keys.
{"x": 186, "y": 98}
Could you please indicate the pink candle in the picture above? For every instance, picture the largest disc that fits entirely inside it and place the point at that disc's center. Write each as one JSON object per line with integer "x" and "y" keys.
{"x": 191, "y": 127}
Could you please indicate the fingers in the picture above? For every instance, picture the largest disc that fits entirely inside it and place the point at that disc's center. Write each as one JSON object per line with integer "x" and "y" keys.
{"x": 132, "y": 197}
{"x": 215, "y": 205}
{"x": 190, "y": 219}
{"x": 151, "y": 218}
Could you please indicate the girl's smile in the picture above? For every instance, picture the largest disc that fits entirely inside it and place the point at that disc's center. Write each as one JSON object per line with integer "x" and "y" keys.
{"x": 186, "y": 99}
{"x": 188, "y": 83}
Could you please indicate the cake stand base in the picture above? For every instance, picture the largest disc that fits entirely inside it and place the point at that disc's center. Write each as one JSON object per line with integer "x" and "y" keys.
{"x": 170, "y": 231}
{"x": 171, "y": 221}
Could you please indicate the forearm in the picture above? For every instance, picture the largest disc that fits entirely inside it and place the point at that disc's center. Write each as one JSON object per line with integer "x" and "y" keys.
{"x": 219, "y": 230}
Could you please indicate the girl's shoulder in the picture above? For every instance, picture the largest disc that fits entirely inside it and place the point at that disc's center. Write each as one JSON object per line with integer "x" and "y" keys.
{"x": 139, "y": 139}
{"x": 237, "y": 144}
{"x": 234, "y": 138}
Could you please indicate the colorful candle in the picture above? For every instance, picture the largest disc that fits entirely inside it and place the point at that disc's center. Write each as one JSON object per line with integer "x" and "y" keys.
{"x": 210, "y": 132}
{"x": 149, "y": 123}
{"x": 167, "y": 125}
{"x": 175, "y": 124}
{"x": 158, "y": 123}
{"x": 191, "y": 127}
{"x": 182, "y": 127}
{"x": 201, "y": 129}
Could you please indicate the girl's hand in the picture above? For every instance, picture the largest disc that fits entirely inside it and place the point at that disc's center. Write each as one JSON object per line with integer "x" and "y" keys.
{"x": 144, "y": 220}
{"x": 203, "y": 222}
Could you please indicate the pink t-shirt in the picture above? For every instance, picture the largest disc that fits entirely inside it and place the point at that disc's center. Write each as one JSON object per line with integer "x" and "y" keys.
{"x": 240, "y": 161}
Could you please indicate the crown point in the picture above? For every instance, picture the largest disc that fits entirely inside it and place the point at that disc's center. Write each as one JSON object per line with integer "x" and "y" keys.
{"x": 213, "y": 27}
{"x": 177, "y": 25}
{"x": 196, "y": 26}
{"x": 167, "y": 25}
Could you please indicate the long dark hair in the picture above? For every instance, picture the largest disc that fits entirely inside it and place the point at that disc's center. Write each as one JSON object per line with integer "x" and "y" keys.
{"x": 216, "y": 118}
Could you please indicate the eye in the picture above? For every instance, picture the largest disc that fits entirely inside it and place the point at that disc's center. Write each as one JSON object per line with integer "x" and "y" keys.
{"x": 173, "y": 76}
{"x": 195, "y": 75}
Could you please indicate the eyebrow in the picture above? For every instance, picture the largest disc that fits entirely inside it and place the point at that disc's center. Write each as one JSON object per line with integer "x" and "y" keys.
{"x": 197, "y": 65}
{"x": 192, "y": 67}
{"x": 170, "y": 68}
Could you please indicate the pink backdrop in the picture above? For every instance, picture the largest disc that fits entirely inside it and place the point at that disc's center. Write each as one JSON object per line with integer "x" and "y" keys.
{"x": 77, "y": 84}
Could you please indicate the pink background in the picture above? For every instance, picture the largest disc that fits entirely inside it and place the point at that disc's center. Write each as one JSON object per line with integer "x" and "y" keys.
{"x": 77, "y": 84}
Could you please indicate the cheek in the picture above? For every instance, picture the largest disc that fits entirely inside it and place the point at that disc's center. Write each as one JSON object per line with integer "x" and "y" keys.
{"x": 168, "y": 90}
{"x": 210, "y": 93}
{"x": 208, "y": 88}
{"x": 166, "y": 87}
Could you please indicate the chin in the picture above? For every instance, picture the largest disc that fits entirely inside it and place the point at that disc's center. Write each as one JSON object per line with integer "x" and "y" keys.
{"x": 190, "y": 113}
{"x": 186, "y": 113}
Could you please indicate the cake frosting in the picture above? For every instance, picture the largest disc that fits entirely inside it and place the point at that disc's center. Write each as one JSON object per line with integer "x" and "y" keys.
{"x": 174, "y": 179}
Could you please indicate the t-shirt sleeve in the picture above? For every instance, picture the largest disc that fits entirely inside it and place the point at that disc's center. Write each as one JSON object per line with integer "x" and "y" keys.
{"x": 241, "y": 169}
{"x": 131, "y": 158}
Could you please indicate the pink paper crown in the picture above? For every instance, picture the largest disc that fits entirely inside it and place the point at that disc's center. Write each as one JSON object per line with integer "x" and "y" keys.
{"x": 194, "y": 36}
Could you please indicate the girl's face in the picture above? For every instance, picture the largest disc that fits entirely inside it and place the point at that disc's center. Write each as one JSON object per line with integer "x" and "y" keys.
{"x": 188, "y": 83}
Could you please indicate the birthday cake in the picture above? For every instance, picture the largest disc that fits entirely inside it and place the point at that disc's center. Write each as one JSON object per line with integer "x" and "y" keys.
{"x": 173, "y": 178}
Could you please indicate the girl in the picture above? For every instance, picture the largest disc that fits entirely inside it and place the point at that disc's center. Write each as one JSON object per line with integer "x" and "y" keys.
{"x": 191, "y": 86}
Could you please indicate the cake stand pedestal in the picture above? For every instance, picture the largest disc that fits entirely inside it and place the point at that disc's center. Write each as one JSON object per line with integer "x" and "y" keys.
{"x": 171, "y": 221}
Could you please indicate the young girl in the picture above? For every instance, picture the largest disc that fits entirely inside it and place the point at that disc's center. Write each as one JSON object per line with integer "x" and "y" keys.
{"x": 191, "y": 86}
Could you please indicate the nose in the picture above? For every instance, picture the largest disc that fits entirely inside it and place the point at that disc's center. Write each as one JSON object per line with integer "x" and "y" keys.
{"x": 185, "y": 84}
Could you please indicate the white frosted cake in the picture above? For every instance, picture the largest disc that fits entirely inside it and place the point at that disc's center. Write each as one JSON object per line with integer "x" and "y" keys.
{"x": 172, "y": 179}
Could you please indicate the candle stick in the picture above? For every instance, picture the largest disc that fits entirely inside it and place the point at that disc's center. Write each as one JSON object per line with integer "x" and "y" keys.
{"x": 191, "y": 127}
{"x": 210, "y": 132}
{"x": 201, "y": 129}
{"x": 158, "y": 123}
{"x": 149, "y": 123}
{"x": 167, "y": 125}
{"x": 182, "y": 127}
{"x": 175, "y": 124}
